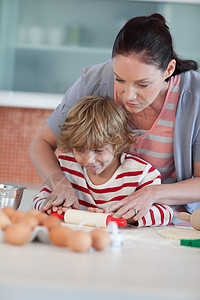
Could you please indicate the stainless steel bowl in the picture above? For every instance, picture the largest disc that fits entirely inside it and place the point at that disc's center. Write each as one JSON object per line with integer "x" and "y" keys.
{"x": 11, "y": 195}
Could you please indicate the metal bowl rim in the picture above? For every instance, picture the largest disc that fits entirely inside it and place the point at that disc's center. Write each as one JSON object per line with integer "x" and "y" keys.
{"x": 11, "y": 187}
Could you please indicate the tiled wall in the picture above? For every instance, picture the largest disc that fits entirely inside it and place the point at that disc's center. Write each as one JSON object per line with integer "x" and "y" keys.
{"x": 18, "y": 126}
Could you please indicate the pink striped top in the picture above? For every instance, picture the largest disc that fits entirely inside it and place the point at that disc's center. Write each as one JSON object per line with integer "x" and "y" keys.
{"x": 156, "y": 144}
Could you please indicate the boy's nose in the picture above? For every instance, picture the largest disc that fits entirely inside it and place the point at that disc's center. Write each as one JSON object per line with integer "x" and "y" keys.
{"x": 90, "y": 157}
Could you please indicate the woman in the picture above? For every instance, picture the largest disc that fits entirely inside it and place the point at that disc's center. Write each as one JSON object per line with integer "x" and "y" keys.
{"x": 161, "y": 95}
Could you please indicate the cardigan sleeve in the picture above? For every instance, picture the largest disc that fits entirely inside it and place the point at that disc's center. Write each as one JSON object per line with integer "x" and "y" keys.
{"x": 187, "y": 129}
{"x": 187, "y": 126}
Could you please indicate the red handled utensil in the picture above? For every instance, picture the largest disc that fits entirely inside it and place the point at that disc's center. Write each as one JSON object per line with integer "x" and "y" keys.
{"x": 120, "y": 222}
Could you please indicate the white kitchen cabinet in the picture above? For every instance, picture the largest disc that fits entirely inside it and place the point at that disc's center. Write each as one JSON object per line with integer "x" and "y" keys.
{"x": 46, "y": 43}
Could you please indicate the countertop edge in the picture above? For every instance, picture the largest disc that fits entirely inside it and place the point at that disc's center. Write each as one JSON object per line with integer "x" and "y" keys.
{"x": 29, "y": 100}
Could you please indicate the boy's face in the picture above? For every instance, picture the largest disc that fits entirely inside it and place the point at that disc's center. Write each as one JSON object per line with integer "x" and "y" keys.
{"x": 96, "y": 162}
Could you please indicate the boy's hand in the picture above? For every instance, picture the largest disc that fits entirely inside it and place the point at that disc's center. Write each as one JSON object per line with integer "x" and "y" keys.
{"x": 61, "y": 209}
{"x": 96, "y": 210}
{"x": 62, "y": 196}
{"x": 47, "y": 206}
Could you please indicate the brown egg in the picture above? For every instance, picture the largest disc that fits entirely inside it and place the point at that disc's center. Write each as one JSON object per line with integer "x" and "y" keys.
{"x": 17, "y": 215}
{"x": 80, "y": 241}
{"x": 41, "y": 217}
{"x": 4, "y": 221}
{"x": 60, "y": 235}
{"x": 29, "y": 220}
{"x": 100, "y": 239}
{"x": 33, "y": 212}
{"x": 195, "y": 219}
{"x": 18, "y": 234}
{"x": 8, "y": 211}
{"x": 51, "y": 222}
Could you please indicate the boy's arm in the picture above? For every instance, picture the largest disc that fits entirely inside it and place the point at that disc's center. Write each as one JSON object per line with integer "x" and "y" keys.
{"x": 46, "y": 163}
{"x": 40, "y": 199}
{"x": 151, "y": 177}
{"x": 139, "y": 199}
{"x": 158, "y": 215}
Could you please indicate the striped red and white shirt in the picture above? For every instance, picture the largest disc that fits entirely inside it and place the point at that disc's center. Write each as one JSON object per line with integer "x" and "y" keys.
{"x": 133, "y": 174}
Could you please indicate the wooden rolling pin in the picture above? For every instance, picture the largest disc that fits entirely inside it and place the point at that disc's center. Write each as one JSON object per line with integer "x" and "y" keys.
{"x": 73, "y": 216}
{"x": 194, "y": 218}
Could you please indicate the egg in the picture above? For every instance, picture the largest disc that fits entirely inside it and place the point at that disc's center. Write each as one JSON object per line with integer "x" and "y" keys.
{"x": 8, "y": 210}
{"x": 18, "y": 234}
{"x": 4, "y": 221}
{"x": 100, "y": 239}
{"x": 195, "y": 219}
{"x": 17, "y": 215}
{"x": 60, "y": 236}
{"x": 51, "y": 222}
{"x": 29, "y": 220}
{"x": 33, "y": 212}
{"x": 41, "y": 217}
{"x": 80, "y": 241}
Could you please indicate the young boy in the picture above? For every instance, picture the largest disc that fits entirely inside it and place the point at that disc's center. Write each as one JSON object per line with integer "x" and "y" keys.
{"x": 95, "y": 139}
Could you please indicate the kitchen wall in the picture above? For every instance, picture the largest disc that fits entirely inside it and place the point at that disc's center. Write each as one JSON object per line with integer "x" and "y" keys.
{"x": 18, "y": 128}
{"x": 44, "y": 46}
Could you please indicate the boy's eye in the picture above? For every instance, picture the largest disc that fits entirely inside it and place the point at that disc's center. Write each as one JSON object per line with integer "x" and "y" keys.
{"x": 99, "y": 150}
{"x": 143, "y": 85}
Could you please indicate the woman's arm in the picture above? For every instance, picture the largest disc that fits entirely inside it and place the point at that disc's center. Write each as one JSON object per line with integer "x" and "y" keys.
{"x": 42, "y": 153}
{"x": 178, "y": 193}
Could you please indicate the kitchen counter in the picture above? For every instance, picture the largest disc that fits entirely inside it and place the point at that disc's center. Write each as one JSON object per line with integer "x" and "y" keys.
{"x": 147, "y": 266}
{"x": 29, "y": 100}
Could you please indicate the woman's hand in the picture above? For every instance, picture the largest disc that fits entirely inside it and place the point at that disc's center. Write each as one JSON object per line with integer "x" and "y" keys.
{"x": 135, "y": 205}
{"x": 61, "y": 198}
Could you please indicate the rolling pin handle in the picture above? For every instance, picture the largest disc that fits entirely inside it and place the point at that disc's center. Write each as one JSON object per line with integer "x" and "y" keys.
{"x": 61, "y": 216}
{"x": 120, "y": 222}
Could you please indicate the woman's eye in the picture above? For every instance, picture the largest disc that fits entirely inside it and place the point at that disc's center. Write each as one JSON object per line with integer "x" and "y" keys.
{"x": 119, "y": 80}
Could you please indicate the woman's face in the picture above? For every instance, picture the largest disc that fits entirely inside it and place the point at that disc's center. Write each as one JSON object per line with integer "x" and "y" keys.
{"x": 137, "y": 84}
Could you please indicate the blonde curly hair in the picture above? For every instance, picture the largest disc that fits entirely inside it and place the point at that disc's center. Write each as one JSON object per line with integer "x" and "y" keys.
{"x": 94, "y": 122}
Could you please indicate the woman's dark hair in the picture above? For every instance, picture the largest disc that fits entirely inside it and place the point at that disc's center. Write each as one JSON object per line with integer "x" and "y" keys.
{"x": 150, "y": 37}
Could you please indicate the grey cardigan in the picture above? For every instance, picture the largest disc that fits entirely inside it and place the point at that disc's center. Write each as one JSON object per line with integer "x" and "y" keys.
{"x": 98, "y": 80}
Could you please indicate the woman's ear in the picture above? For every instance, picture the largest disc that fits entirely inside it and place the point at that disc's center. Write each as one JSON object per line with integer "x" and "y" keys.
{"x": 170, "y": 68}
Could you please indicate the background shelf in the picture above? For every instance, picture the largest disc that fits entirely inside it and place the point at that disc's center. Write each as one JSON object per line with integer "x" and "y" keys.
{"x": 43, "y": 51}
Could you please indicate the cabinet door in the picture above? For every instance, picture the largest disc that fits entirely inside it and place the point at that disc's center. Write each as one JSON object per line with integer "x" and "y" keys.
{"x": 46, "y": 43}
{"x": 8, "y": 31}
